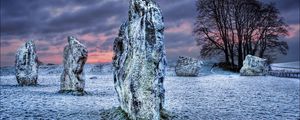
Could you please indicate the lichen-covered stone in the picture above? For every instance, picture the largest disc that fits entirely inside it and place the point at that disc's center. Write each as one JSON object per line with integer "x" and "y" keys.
{"x": 27, "y": 64}
{"x": 254, "y": 66}
{"x": 75, "y": 56}
{"x": 139, "y": 61}
{"x": 187, "y": 66}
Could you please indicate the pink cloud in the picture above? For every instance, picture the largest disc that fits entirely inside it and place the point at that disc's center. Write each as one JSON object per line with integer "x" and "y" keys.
{"x": 88, "y": 37}
{"x": 53, "y": 58}
{"x": 13, "y": 46}
{"x": 8, "y": 51}
{"x": 100, "y": 57}
{"x": 54, "y": 53}
{"x": 294, "y": 31}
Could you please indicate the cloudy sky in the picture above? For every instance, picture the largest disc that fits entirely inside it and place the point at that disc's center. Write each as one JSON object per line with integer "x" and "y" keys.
{"x": 96, "y": 24}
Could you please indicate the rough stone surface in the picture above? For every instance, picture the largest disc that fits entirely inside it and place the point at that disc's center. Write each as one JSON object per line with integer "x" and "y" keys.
{"x": 27, "y": 64}
{"x": 139, "y": 61}
{"x": 254, "y": 66}
{"x": 187, "y": 66}
{"x": 75, "y": 56}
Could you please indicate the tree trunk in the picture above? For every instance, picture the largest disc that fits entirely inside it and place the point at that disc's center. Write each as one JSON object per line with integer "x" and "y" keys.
{"x": 232, "y": 57}
{"x": 226, "y": 56}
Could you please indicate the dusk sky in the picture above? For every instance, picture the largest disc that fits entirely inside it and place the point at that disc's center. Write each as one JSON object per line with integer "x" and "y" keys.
{"x": 96, "y": 22}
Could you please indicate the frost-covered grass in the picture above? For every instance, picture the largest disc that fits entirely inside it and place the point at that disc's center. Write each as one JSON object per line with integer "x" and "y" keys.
{"x": 295, "y": 64}
{"x": 289, "y": 66}
{"x": 43, "y": 101}
{"x": 209, "y": 96}
{"x": 233, "y": 97}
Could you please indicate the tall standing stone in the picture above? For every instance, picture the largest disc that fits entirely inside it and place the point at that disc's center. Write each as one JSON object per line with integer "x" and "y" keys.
{"x": 27, "y": 64}
{"x": 75, "y": 56}
{"x": 139, "y": 61}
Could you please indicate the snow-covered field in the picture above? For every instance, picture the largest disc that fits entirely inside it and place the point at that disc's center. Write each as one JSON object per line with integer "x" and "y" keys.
{"x": 289, "y": 66}
{"x": 209, "y": 96}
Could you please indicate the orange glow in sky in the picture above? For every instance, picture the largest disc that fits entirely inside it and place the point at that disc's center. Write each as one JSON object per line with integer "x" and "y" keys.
{"x": 100, "y": 57}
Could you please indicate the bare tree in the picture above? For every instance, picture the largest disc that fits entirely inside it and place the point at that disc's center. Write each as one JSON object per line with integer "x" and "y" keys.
{"x": 237, "y": 28}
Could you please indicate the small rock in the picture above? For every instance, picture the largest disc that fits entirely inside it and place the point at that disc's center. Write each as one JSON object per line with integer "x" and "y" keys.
{"x": 254, "y": 66}
{"x": 187, "y": 66}
{"x": 75, "y": 56}
{"x": 27, "y": 64}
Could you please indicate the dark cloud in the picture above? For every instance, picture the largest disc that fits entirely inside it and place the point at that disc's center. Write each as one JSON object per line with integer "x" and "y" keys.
{"x": 180, "y": 45}
{"x": 21, "y": 17}
{"x": 175, "y": 40}
{"x": 289, "y": 9}
{"x": 293, "y": 54}
{"x": 51, "y": 21}
{"x": 5, "y": 43}
{"x": 178, "y": 10}
{"x": 285, "y": 5}
{"x": 86, "y": 18}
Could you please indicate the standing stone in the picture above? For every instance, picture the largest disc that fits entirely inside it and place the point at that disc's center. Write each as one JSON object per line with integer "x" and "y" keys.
{"x": 254, "y": 66}
{"x": 73, "y": 78}
{"x": 27, "y": 64}
{"x": 139, "y": 61}
{"x": 187, "y": 66}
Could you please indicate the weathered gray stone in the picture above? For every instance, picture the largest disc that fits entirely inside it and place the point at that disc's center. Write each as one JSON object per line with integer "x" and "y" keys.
{"x": 187, "y": 66}
{"x": 139, "y": 61}
{"x": 75, "y": 56}
{"x": 254, "y": 66}
{"x": 27, "y": 64}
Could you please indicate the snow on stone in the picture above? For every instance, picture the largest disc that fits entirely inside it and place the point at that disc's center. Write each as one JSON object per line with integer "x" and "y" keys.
{"x": 73, "y": 77}
{"x": 26, "y": 64}
{"x": 139, "y": 61}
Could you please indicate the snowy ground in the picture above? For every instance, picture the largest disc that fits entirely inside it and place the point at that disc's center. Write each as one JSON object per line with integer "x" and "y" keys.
{"x": 209, "y": 96}
{"x": 289, "y": 66}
